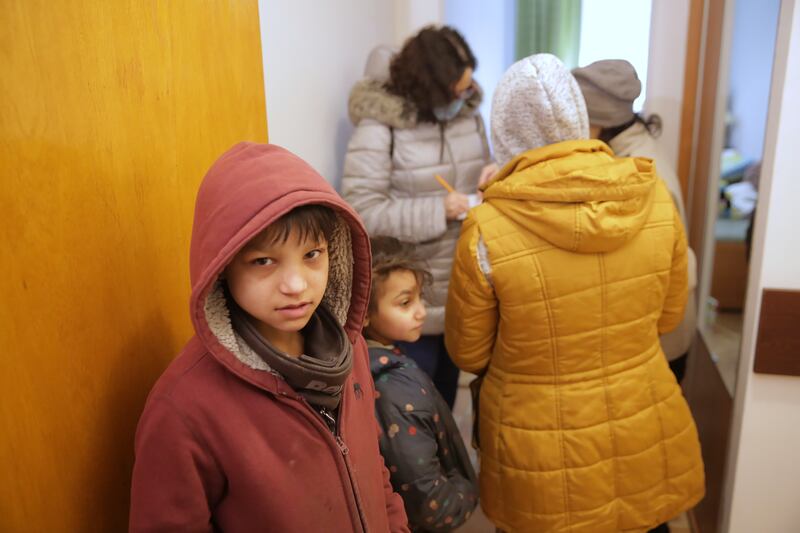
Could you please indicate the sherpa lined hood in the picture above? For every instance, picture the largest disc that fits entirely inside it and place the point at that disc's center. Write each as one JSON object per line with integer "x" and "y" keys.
{"x": 576, "y": 195}
{"x": 370, "y": 99}
{"x": 246, "y": 189}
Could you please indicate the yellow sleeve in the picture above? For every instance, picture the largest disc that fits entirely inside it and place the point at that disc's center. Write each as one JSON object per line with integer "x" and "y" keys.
{"x": 678, "y": 284}
{"x": 471, "y": 312}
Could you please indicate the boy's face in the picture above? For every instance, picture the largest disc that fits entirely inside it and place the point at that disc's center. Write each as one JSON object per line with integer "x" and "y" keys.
{"x": 399, "y": 310}
{"x": 279, "y": 284}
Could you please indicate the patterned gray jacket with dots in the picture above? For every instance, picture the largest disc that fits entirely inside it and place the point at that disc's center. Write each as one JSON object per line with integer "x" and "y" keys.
{"x": 420, "y": 443}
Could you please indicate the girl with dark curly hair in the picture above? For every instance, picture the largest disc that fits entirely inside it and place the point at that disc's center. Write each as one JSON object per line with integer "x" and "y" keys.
{"x": 416, "y": 118}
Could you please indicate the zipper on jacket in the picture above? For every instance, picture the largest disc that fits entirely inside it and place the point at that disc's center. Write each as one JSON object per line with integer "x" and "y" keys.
{"x": 346, "y": 456}
{"x": 335, "y": 432}
{"x": 342, "y": 446}
{"x": 452, "y": 160}
{"x": 328, "y": 418}
{"x": 487, "y": 152}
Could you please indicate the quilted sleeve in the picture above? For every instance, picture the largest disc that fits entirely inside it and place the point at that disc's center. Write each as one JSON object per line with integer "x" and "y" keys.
{"x": 471, "y": 313}
{"x": 678, "y": 285}
{"x": 366, "y": 185}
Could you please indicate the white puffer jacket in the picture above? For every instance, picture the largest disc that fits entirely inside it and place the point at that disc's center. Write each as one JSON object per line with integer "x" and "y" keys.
{"x": 389, "y": 171}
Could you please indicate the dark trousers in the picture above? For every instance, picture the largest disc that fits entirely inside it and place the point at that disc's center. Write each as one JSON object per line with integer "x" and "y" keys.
{"x": 431, "y": 356}
{"x": 678, "y": 367}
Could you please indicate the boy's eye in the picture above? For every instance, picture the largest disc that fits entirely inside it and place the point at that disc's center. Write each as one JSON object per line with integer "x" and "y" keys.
{"x": 313, "y": 254}
{"x": 263, "y": 261}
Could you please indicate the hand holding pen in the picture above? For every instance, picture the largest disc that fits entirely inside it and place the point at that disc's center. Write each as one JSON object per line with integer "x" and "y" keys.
{"x": 456, "y": 204}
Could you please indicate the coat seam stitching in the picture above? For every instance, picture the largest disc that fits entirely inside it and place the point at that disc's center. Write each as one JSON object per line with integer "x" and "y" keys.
{"x": 557, "y": 391}
{"x": 609, "y": 418}
{"x": 656, "y": 406}
{"x": 613, "y": 457}
{"x": 607, "y": 503}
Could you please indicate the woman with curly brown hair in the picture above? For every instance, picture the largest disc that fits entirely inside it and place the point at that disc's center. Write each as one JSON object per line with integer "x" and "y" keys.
{"x": 416, "y": 118}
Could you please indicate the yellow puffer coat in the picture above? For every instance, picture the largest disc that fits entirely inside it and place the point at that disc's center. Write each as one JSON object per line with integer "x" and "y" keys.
{"x": 563, "y": 279}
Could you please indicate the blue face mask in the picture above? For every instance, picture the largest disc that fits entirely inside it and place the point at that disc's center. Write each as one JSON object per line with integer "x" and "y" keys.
{"x": 445, "y": 113}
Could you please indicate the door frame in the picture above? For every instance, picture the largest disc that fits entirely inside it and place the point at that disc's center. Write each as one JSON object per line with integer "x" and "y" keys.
{"x": 702, "y": 132}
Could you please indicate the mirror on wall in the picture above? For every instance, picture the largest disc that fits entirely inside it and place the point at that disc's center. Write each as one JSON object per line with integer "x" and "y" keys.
{"x": 734, "y": 190}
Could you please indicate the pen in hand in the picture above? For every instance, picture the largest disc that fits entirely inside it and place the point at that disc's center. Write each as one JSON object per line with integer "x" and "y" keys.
{"x": 457, "y": 212}
{"x": 444, "y": 184}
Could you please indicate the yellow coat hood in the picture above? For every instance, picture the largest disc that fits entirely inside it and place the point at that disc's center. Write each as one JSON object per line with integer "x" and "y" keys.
{"x": 575, "y": 209}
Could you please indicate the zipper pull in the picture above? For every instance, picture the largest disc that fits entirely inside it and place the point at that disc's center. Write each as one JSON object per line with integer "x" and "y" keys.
{"x": 328, "y": 418}
{"x": 342, "y": 446}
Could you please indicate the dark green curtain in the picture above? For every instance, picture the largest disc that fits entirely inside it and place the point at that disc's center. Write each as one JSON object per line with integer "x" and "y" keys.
{"x": 552, "y": 26}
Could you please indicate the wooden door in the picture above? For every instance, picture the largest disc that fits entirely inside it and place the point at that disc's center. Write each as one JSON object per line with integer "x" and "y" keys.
{"x": 110, "y": 113}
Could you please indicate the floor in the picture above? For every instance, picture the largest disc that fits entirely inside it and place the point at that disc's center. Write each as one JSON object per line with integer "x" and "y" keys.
{"x": 462, "y": 412}
{"x": 723, "y": 335}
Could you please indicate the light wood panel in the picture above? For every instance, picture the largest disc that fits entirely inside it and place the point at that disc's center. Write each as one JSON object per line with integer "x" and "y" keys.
{"x": 690, "y": 80}
{"x": 703, "y": 151}
{"x": 110, "y": 113}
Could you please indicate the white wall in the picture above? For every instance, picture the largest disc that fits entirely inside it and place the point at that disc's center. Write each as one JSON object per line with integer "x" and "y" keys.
{"x": 616, "y": 29}
{"x": 313, "y": 53}
{"x": 752, "y": 49}
{"x": 762, "y": 494}
{"x": 667, "y": 60}
{"x": 488, "y": 27}
{"x": 411, "y": 15}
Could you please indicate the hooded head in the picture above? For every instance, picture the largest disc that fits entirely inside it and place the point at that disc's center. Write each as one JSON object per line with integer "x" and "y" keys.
{"x": 536, "y": 103}
{"x": 575, "y": 194}
{"x": 370, "y": 98}
{"x": 247, "y": 189}
{"x": 609, "y": 87}
{"x": 378, "y": 61}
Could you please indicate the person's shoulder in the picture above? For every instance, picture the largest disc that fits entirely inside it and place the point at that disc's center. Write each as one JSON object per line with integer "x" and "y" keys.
{"x": 372, "y": 124}
{"x": 192, "y": 374}
{"x": 401, "y": 382}
{"x": 371, "y": 101}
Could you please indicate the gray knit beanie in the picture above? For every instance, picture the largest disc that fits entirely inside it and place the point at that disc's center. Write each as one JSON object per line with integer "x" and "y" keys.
{"x": 609, "y": 87}
{"x": 536, "y": 103}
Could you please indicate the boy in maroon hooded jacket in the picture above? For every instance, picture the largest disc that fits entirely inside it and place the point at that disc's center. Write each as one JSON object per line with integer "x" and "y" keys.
{"x": 265, "y": 422}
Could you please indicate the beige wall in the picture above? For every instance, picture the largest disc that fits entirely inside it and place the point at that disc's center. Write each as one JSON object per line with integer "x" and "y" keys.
{"x": 665, "y": 72}
{"x": 314, "y": 51}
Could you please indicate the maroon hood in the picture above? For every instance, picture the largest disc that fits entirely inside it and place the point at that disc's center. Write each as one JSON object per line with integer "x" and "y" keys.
{"x": 246, "y": 189}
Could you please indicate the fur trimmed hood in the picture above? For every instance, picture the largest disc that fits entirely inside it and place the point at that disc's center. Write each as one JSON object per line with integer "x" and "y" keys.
{"x": 370, "y": 99}
{"x": 249, "y": 187}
